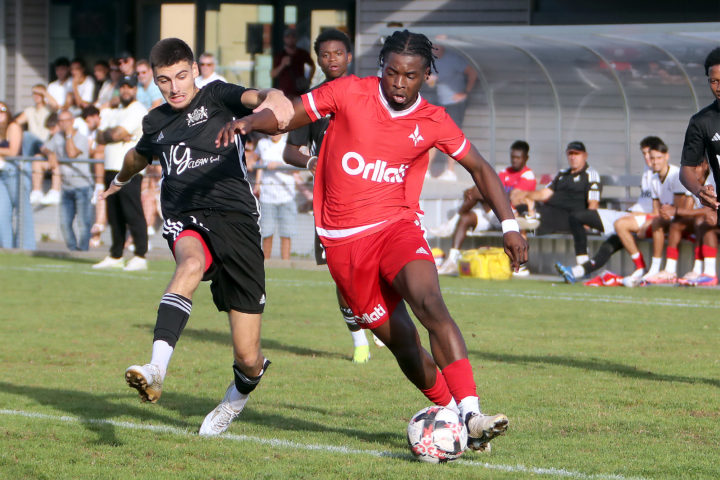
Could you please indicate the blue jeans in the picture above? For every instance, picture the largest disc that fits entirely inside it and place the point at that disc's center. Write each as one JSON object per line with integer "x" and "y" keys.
{"x": 76, "y": 202}
{"x": 14, "y": 210}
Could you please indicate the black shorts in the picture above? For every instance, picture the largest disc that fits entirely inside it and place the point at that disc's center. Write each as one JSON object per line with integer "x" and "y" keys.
{"x": 238, "y": 269}
{"x": 552, "y": 220}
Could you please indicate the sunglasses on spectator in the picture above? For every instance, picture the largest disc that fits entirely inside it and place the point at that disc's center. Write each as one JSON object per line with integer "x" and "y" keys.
{"x": 124, "y": 60}
{"x": 206, "y": 64}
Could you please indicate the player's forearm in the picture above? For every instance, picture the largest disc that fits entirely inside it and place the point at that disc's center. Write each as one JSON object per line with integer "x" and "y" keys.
{"x": 689, "y": 179}
{"x": 293, "y": 156}
{"x": 488, "y": 183}
{"x": 133, "y": 163}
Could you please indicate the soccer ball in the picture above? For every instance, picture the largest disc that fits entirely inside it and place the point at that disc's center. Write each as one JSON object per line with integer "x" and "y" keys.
{"x": 436, "y": 435}
{"x": 438, "y": 255}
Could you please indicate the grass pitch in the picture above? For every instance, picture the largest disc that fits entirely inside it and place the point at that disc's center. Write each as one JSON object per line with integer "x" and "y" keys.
{"x": 598, "y": 383}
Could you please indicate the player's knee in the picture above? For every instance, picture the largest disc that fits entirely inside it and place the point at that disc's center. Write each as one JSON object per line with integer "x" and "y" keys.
{"x": 249, "y": 361}
{"x": 247, "y": 383}
{"x": 192, "y": 266}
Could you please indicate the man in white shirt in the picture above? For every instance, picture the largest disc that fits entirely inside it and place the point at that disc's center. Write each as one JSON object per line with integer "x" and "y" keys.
{"x": 207, "y": 70}
{"x": 119, "y": 133}
{"x": 82, "y": 87}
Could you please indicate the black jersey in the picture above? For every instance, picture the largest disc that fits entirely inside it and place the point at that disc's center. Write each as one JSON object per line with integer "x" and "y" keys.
{"x": 196, "y": 174}
{"x": 573, "y": 191}
{"x": 702, "y": 138}
{"x": 310, "y": 135}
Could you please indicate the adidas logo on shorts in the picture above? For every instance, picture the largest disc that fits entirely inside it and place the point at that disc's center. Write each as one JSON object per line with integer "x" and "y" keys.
{"x": 422, "y": 251}
{"x": 716, "y": 137}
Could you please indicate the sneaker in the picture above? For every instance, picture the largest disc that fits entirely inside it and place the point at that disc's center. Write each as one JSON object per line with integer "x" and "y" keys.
{"x": 146, "y": 380}
{"x": 605, "y": 279}
{"x": 378, "y": 343}
{"x": 689, "y": 278}
{"x": 52, "y": 197}
{"x": 565, "y": 272}
{"x": 361, "y": 354}
{"x": 217, "y": 421}
{"x": 705, "y": 281}
{"x": 136, "y": 264}
{"x": 522, "y": 272}
{"x": 444, "y": 229}
{"x": 661, "y": 278}
{"x": 110, "y": 262}
{"x": 447, "y": 176}
{"x": 449, "y": 267}
{"x": 36, "y": 197}
{"x": 632, "y": 281}
{"x": 483, "y": 428}
{"x": 528, "y": 222}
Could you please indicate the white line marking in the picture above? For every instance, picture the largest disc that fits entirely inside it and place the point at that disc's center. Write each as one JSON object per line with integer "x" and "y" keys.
{"x": 276, "y": 442}
{"x": 526, "y": 294}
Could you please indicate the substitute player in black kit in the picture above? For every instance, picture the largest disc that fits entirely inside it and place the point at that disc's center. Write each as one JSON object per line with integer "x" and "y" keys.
{"x": 211, "y": 219}
{"x": 702, "y": 140}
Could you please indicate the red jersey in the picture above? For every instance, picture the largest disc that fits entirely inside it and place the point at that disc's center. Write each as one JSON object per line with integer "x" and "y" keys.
{"x": 373, "y": 159}
{"x": 521, "y": 179}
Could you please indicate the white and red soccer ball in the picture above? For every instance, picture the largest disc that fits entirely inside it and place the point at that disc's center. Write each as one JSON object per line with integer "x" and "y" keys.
{"x": 436, "y": 435}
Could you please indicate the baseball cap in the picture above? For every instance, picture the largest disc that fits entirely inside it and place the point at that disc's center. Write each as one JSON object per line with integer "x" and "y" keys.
{"x": 124, "y": 54}
{"x": 575, "y": 147}
{"x": 128, "y": 80}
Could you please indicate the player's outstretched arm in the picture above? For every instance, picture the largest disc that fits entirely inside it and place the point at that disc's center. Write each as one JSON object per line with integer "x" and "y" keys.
{"x": 262, "y": 121}
{"x": 706, "y": 193}
{"x": 271, "y": 99}
{"x": 488, "y": 182}
{"x": 133, "y": 163}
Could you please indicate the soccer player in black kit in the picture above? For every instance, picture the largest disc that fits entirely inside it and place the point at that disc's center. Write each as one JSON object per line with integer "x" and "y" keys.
{"x": 211, "y": 219}
{"x": 702, "y": 140}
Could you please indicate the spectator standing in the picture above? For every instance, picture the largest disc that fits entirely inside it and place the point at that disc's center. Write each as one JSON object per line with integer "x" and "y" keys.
{"x": 277, "y": 195}
{"x": 60, "y": 88}
{"x": 206, "y": 63}
{"x": 96, "y": 151}
{"x": 148, "y": 93}
{"x": 454, "y": 80}
{"x": 124, "y": 210}
{"x": 76, "y": 190}
{"x": 288, "y": 72}
{"x": 14, "y": 209}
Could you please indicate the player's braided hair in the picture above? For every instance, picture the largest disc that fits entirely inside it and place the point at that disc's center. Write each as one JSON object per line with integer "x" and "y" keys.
{"x": 712, "y": 59}
{"x": 408, "y": 43}
{"x": 170, "y": 51}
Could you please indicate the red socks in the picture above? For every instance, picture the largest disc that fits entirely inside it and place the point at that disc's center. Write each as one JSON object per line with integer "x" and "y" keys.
{"x": 438, "y": 393}
{"x": 459, "y": 378}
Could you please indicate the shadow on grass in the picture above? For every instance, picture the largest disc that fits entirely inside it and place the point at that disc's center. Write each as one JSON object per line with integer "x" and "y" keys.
{"x": 223, "y": 338}
{"x": 597, "y": 365}
{"x": 88, "y": 408}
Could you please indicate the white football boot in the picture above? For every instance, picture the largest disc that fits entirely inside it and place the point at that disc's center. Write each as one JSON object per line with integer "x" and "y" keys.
{"x": 110, "y": 263}
{"x": 146, "y": 380}
{"x": 483, "y": 428}
{"x": 217, "y": 421}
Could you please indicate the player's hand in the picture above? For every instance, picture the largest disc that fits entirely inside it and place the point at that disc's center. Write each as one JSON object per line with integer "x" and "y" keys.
{"x": 516, "y": 248}
{"x": 710, "y": 216}
{"x": 227, "y": 133}
{"x": 312, "y": 164}
{"x": 280, "y": 105}
{"x": 708, "y": 197}
{"x": 667, "y": 211}
{"x": 111, "y": 189}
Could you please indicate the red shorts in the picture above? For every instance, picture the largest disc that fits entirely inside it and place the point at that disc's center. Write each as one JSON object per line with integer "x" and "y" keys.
{"x": 365, "y": 269}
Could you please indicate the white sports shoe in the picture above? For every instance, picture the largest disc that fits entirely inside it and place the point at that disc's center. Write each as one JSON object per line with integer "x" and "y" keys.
{"x": 522, "y": 272}
{"x": 217, "y": 421}
{"x": 449, "y": 267}
{"x": 146, "y": 380}
{"x": 110, "y": 262}
{"x": 36, "y": 197}
{"x": 52, "y": 197}
{"x": 444, "y": 229}
{"x": 483, "y": 428}
{"x": 136, "y": 264}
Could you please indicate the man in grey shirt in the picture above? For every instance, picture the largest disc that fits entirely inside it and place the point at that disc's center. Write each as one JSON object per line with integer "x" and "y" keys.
{"x": 77, "y": 179}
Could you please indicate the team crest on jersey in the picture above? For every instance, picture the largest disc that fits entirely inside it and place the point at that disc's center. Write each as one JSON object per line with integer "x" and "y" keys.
{"x": 199, "y": 115}
{"x": 415, "y": 136}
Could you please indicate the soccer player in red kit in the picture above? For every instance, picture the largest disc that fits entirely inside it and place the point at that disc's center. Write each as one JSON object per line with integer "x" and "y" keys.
{"x": 366, "y": 202}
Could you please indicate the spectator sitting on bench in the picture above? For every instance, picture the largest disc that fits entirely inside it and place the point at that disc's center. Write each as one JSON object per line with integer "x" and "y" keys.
{"x": 616, "y": 224}
{"x": 575, "y": 188}
{"x": 518, "y": 177}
